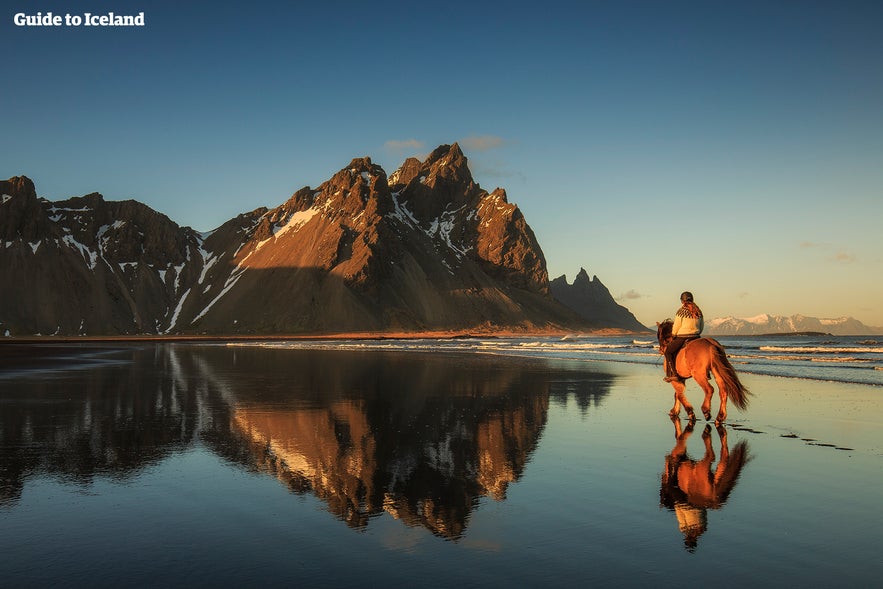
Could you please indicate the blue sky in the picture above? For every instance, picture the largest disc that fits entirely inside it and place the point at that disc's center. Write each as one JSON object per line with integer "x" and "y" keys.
{"x": 734, "y": 149}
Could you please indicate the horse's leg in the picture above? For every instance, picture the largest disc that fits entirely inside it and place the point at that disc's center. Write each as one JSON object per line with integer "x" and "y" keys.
{"x": 680, "y": 386}
{"x": 681, "y": 436}
{"x": 725, "y": 448}
{"x": 676, "y": 410}
{"x": 681, "y": 399}
{"x": 723, "y": 463}
{"x": 722, "y": 412}
{"x": 701, "y": 379}
{"x": 708, "y": 458}
{"x": 706, "y": 441}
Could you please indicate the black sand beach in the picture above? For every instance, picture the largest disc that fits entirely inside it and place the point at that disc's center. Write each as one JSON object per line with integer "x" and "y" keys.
{"x": 181, "y": 463}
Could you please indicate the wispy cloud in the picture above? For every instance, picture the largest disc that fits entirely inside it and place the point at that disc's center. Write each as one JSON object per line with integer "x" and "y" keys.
{"x": 403, "y": 144}
{"x": 843, "y": 257}
{"x": 839, "y": 256}
{"x": 631, "y": 295}
{"x": 481, "y": 142}
{"x": 484, "y": 168}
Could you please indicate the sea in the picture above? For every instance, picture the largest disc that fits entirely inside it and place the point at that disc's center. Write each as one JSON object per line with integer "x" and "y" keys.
{"x": 465, "y": 462}
{"x": 823, "y": 357}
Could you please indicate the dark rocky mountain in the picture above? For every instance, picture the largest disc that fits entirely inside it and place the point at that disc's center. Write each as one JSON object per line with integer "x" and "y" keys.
{"x": 592, "y": 301}
{"x": 423, "y": 249}
{"x": 87, "y": 266}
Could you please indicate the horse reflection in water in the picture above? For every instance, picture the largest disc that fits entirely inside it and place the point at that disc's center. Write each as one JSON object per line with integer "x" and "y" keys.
{"x": 691, "y": 487}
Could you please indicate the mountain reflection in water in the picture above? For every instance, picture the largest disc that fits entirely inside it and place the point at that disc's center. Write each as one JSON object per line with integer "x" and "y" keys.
{"x": 367, "y": 433}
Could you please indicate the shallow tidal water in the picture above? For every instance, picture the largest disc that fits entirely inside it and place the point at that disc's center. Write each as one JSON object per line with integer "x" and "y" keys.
{"x": 178, "y": 464}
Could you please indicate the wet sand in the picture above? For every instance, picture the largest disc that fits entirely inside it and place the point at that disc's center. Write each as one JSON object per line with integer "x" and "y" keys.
{"x": 355, "y": 335}
{"x": 333, "y": 467}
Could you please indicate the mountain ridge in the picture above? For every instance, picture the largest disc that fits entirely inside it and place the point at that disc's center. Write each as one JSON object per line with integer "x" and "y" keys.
{"x": 424, "y": 249}
{"x": 766, "y": 324}
{"x": 591, "y": 299}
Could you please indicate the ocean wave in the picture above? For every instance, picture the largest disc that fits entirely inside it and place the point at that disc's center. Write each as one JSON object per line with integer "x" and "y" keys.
{"x": 821, "y": 350}
{"x": 845, "y": 363}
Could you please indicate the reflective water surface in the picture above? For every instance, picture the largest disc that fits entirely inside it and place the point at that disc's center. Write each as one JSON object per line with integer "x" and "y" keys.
{"x": 195, "y": 464}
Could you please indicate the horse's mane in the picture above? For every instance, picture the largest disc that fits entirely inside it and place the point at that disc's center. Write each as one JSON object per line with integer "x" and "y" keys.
{"x": 663, "y": 332}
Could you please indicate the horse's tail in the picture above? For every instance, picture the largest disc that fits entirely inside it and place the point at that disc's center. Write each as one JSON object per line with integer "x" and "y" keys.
{"x": 739, "y": 457}
{"x": 726, "y": 378}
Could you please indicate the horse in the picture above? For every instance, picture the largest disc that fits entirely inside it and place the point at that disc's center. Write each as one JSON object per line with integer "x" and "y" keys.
{"x": 691, "y": 487}
{"x": 699, "y": 358}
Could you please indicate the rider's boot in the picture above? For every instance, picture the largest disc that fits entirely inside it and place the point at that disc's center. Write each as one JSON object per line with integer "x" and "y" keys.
{"x": 670, "y": 374}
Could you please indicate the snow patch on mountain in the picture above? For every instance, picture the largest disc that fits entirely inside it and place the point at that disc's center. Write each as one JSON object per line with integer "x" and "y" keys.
{"x": 89, "y": 256}
{"x": 765, "y": 323}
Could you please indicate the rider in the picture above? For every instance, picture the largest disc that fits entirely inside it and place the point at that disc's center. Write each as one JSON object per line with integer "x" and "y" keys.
{"x": 687, "y": 326}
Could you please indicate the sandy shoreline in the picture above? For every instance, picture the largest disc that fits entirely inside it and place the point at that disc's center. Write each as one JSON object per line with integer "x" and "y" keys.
{"x": 357, "y": 335}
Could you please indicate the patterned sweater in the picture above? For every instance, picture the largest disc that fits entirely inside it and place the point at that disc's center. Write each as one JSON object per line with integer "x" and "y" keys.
{"x": 686, "y": 325}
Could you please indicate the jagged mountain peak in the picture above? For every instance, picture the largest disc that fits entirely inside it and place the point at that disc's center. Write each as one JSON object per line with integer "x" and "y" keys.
{"x": 581, "y": 281}
{"x": 438, "y": 185}
{"x": 423, "y": 249}
{"x": 18, "y": 186}
{"x": 348, "y": 192}
{"x": 409, "y": 170}
{"x": 447, "y": 155}
{"x": 447, "y": 165}
{"x": 91, "y": 200}
{"x": 593, "y": 301}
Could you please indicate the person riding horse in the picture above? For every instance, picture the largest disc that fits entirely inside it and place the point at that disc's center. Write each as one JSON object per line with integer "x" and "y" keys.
{"x": 688, "y": 325}
{"x": 699, "y": 359}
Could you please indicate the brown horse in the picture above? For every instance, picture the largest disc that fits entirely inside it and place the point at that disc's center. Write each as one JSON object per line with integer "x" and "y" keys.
{"x": 691, "y": 487}
{"x": 699, "y": 358}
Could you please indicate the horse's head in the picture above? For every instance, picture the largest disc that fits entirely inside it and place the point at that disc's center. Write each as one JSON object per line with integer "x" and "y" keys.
{"x": 663, "y": 334}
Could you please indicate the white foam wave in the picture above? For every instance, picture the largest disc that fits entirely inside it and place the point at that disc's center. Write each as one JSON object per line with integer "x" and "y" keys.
{"x": 820, "y": 350}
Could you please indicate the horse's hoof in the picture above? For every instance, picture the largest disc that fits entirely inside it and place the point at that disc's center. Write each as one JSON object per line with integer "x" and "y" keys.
{"x": 706, "y": 415}
{"x": 691, "y": 416}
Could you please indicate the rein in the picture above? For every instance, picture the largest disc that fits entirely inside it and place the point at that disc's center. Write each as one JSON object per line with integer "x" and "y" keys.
{"x": 663, "y": 334}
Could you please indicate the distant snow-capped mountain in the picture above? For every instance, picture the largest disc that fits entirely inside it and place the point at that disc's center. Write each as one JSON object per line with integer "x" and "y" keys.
{"x": 763, "y": 324}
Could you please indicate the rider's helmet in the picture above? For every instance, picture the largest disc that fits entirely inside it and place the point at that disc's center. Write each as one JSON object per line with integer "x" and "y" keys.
{"x": 686, "y": 297}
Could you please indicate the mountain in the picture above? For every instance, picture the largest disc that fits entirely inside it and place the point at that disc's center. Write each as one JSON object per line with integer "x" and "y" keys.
{"x": 425, "y": 248}
{"x": 84, "y": 265}
{"x": 592, "y": 301}
{"x": 764, "y": 324}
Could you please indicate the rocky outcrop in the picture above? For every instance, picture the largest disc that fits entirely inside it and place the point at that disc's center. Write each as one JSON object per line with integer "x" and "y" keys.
{"x": 445, "y": 202}
{"x": 423, "y": 249}
{"x": 591, "y": 299}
